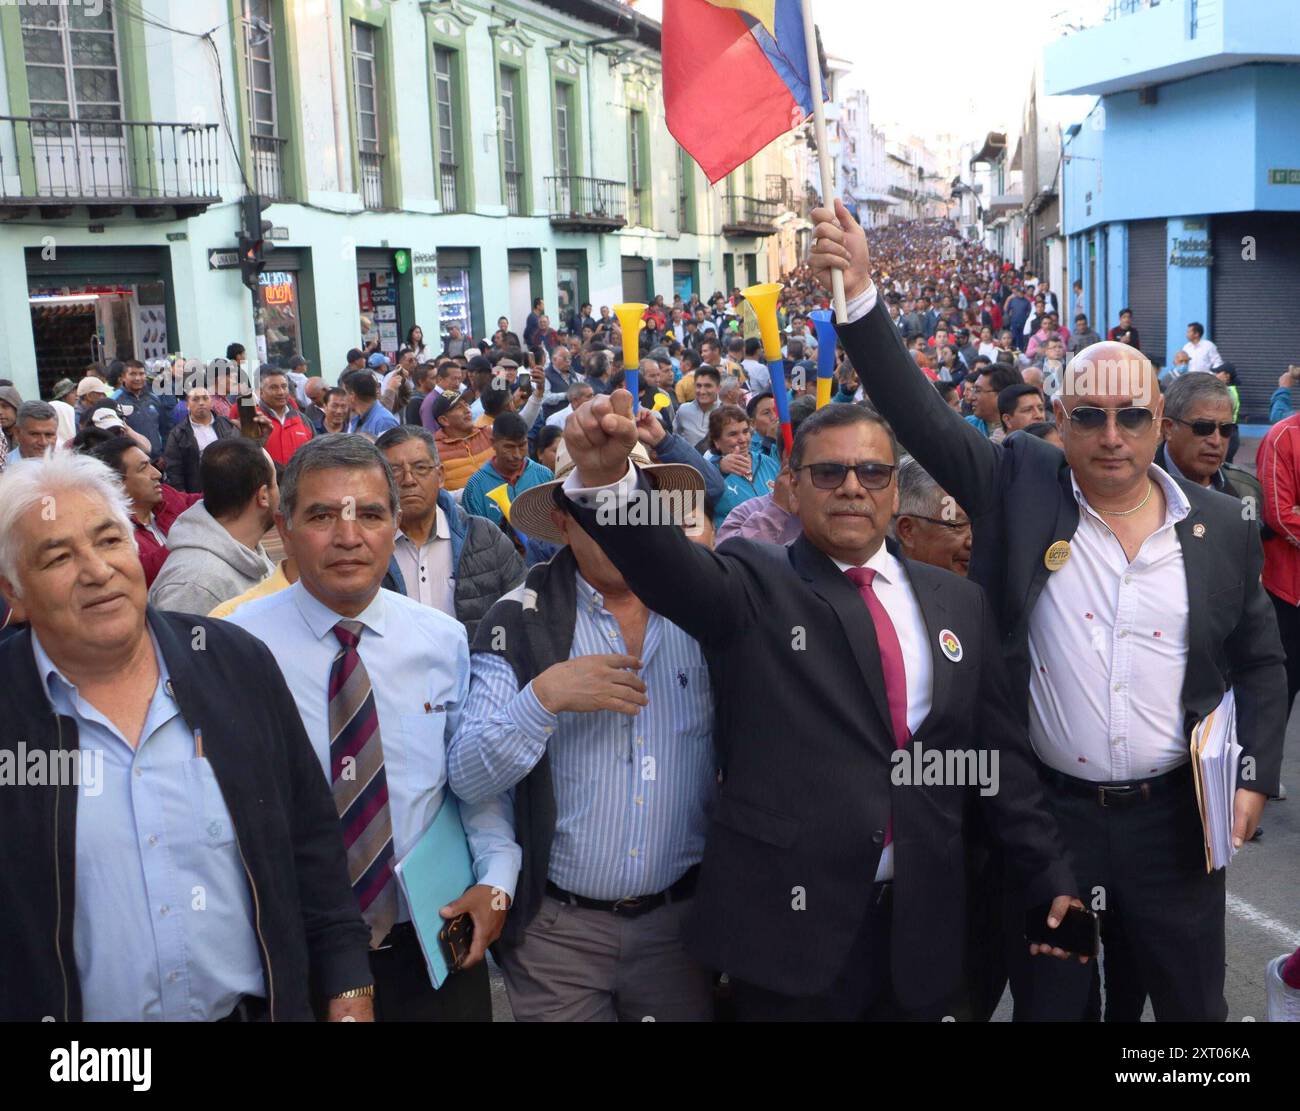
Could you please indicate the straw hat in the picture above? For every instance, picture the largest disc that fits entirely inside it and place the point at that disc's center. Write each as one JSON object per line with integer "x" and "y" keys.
{"x": 531, "y": 512}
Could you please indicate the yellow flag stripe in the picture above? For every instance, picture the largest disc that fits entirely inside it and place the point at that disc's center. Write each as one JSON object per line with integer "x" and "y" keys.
{"x": 762, "y": 10}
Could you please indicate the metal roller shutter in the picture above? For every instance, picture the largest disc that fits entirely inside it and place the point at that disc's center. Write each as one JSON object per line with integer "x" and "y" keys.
{"x": 1148, "y": 284}
{"x": 1253, "y": 301}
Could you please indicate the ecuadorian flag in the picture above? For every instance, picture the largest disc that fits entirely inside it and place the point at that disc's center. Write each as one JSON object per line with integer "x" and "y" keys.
{"x": 735, "y": 77}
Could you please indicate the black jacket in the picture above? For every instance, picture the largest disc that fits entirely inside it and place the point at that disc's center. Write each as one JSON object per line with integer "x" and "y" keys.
{"x": 311, "y": 937}
{"x": 805, "y": 750}
{"x": 1020, "y": 500}
{"x": 181, "y": 455}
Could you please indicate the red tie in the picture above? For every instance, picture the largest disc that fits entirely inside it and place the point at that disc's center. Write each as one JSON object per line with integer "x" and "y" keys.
{"x": 891, "y": 661}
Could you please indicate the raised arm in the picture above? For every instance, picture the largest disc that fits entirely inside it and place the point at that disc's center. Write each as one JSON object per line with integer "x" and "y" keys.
{"x": 612, "y": 502}
{"x": 959, "y": 458}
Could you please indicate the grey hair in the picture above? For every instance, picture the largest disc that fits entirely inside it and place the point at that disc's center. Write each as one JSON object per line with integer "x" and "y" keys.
{"x": 36, "y": 410}
{"x": 577, "y": 390}
{"x": 35, "y": 483}
{"x": 729, "y": 384}
{"x": 404, "y": 434}
{"x": 1192, "y": 388}
{"x": 337, "y": 450}
{"x": 918, "y": 493}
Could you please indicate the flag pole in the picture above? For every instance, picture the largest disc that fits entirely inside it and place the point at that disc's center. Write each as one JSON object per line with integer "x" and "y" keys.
{"x": 823, "y": 148}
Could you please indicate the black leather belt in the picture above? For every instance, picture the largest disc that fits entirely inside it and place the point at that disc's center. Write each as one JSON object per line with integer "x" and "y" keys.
{"x": 1108, "y": 795}
{"x": 684, "y": 888}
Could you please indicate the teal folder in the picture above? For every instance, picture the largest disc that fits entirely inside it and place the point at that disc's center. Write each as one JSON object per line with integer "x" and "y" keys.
{"x": 437, "y": 871}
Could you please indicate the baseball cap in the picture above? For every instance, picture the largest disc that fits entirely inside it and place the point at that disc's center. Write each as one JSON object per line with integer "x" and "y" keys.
{"x": 91, "y": 385}
{"x": 62, "y": 388}
{"x": 377, "y": 360}
{"x": 107, "y": 417}
{"x": 445, "y": 403}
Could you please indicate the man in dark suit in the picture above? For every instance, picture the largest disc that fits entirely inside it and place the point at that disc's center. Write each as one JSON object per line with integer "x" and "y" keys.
{"x": 187, "y": 440}
{"x": 1127, "y": 600}
{"x": 836, "y": 665}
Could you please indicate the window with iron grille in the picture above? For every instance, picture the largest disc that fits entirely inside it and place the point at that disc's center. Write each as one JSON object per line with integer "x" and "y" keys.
{"x": 444, "y": 91}
{"x": 636, "y": 165}
{"x": 684, "y": 214}
{"x": 564, "y": 162}
{"x": 71, "y": 56}
{"x": 364, "y": 85}
{"x": 511, "y": 154}
{"x": 259, "y": 60}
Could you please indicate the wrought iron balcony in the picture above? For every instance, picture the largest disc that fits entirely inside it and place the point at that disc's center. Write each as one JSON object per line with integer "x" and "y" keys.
{"x": 372, "y": 179}
{"x": 447, "y": 187}
{"x": 107, "y": 165}
{"x": 268, "y": 166}
{"x": 514, "y": 193}
{"x": 749, "y": 216}
{"x": 587, "y": 203}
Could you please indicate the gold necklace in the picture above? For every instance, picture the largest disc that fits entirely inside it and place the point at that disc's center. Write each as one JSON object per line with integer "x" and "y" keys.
{"x": 1129, "y": 512}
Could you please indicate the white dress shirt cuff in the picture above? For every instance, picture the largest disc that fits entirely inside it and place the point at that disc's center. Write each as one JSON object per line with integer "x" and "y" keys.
{"x": 587, "y": 496}
{"x": 862, "y": 304}
{"x": 501, "y": 871}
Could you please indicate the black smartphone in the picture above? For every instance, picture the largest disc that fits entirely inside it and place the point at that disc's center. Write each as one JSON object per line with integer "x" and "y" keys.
{"x": 1079, "y": 933}
{"x": 456, "y": 937}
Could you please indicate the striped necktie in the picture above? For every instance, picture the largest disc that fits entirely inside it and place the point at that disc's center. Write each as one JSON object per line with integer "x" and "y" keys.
{"x": 891, "y": 662}
{"x": 359, "y": 784}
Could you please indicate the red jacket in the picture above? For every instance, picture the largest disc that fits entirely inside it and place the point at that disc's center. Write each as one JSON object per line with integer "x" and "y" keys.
{"x": 288, "y": 437}
{"x": 153, "y": 554}
{"x": 1278, "y": 465}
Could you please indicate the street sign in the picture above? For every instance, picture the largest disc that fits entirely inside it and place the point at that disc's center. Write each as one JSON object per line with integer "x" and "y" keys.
{"x": 279, "y": 234}
{"x": 223, "y": 258}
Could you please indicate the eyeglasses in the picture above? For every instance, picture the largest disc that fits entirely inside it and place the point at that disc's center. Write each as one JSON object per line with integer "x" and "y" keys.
{"x": 952, "y": 526}
{"x": 419, "y": 470}
{"x": 1206, "y": 427}
{"x": 1133, "y": 419}
{"x": 831, "y": 476}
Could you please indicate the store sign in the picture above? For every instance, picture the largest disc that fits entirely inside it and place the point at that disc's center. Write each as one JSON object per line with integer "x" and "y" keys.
{"x": 1179, "y": 256}
{"x": 426, "y": 262}
{"x": 277, "y": 287}
{"x": 1284, "y": 177}
{"x": 402, "y": 260}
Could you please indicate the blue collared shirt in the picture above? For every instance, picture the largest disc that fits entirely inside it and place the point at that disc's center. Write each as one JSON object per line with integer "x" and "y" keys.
{"x": 164, "y": 915}
{"x": 376, "y": 422}
{"x": 417, "y": 659}
{"x": 631, "y": 793}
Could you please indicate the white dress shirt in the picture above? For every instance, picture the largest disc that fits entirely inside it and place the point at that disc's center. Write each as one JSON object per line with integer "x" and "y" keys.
{"x": 430, "y": 577}
{"x": 204, "y": 434}
{"x": 1203, "y": 355}
{"x": 895, "y": 592}
{"x": 1108, "y": 650}
{"x": 418, "y": 664}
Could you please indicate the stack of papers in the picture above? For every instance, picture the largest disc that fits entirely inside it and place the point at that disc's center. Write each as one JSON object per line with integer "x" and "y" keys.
{"x": 1215, "y": 757}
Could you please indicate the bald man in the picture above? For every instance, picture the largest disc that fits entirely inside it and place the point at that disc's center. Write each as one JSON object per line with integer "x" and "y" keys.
{"x": 1126, "y": 598}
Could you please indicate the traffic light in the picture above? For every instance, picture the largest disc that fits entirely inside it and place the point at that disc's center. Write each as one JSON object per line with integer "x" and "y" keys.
{"x": 254, "y": 241}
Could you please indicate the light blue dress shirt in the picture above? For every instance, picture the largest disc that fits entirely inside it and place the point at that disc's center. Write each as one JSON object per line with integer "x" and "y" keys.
{"x": 164, "y": 916}
{"x": 632, "y": 794}
{"x": 418, "y": 662}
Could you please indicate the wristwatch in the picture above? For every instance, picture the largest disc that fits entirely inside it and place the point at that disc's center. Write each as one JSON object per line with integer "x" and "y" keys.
{"x": 355, "y": 993}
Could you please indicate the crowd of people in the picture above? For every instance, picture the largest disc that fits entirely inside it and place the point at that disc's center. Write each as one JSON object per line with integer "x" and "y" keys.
{"x": 671, "y": 743}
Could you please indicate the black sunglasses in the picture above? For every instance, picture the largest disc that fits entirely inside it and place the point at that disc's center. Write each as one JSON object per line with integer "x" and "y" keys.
{"x": 831, "y": 476}
{"x": 1131, "y": 418}
{"x": 1207, "y": 427}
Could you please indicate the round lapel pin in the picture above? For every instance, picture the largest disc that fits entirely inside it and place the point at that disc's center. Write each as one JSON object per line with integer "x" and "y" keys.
{"x": 1198, "y": 531}
{"x": 1057, "y": 555}
{"x": 949, "y": 645}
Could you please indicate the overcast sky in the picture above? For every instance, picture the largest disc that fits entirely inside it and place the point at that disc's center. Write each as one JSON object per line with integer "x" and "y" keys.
{"x": 936, "y": 66}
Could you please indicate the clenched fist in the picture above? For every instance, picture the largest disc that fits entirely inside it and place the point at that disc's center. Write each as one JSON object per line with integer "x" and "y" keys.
{"x": 839, "y": 243}
{"x": 600, "y": 436}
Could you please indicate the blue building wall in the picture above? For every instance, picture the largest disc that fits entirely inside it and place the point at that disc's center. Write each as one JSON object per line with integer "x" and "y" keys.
{"x": 1188, "y": 295}
{"x": 1205, "y": 146}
